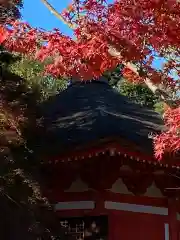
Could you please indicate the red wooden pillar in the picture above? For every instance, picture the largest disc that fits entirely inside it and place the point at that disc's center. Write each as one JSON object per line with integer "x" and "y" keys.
{"x": 172, "y": 215}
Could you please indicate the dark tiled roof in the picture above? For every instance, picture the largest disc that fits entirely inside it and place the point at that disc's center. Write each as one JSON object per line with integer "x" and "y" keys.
{"x": 88, "y": 112}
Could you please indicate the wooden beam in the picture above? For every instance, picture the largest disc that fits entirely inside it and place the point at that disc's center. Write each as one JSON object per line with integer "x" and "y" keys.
{"x": 172, "y": 215}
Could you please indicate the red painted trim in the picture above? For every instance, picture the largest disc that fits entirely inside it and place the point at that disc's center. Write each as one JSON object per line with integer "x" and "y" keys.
{"x": 81, "y": 154}
{"x": 102, "y": 196}
{"x": 105, "y": 147}
{"x": 141, "y": 200}
{"x": 80, "y": 213}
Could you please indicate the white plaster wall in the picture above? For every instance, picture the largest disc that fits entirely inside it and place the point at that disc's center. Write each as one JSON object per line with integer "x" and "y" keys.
{"x": 78, "y": 186}
{"x": 153, "y": 191}
{"x": 120, "y": 187}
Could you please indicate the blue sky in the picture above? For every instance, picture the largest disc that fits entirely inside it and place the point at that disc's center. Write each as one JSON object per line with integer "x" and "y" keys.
{"x": 39, "y": 16}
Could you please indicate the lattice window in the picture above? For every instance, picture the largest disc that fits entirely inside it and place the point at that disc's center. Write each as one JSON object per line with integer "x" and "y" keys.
{"x": 89, "y": 228}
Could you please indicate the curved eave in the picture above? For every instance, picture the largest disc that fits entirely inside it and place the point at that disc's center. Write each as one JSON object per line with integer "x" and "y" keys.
{"x": 115, "y": 149}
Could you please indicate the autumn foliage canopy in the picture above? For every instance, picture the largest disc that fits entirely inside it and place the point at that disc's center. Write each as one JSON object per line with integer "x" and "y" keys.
{"x": 132, "y": 32}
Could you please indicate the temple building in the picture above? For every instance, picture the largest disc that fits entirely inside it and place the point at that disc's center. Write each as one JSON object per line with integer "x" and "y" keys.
{"x": 104, "y": 180}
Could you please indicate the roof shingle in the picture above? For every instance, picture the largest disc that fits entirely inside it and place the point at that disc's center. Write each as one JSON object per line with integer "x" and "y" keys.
{"x": 87, "y": 112}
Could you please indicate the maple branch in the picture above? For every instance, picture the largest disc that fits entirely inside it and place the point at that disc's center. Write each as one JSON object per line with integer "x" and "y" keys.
{"x": 153, "y": 87}
{"x": 57, "y": 14}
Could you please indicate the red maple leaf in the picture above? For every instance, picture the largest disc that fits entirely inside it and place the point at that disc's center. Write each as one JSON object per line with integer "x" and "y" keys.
{"x": 3, "y": 34}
